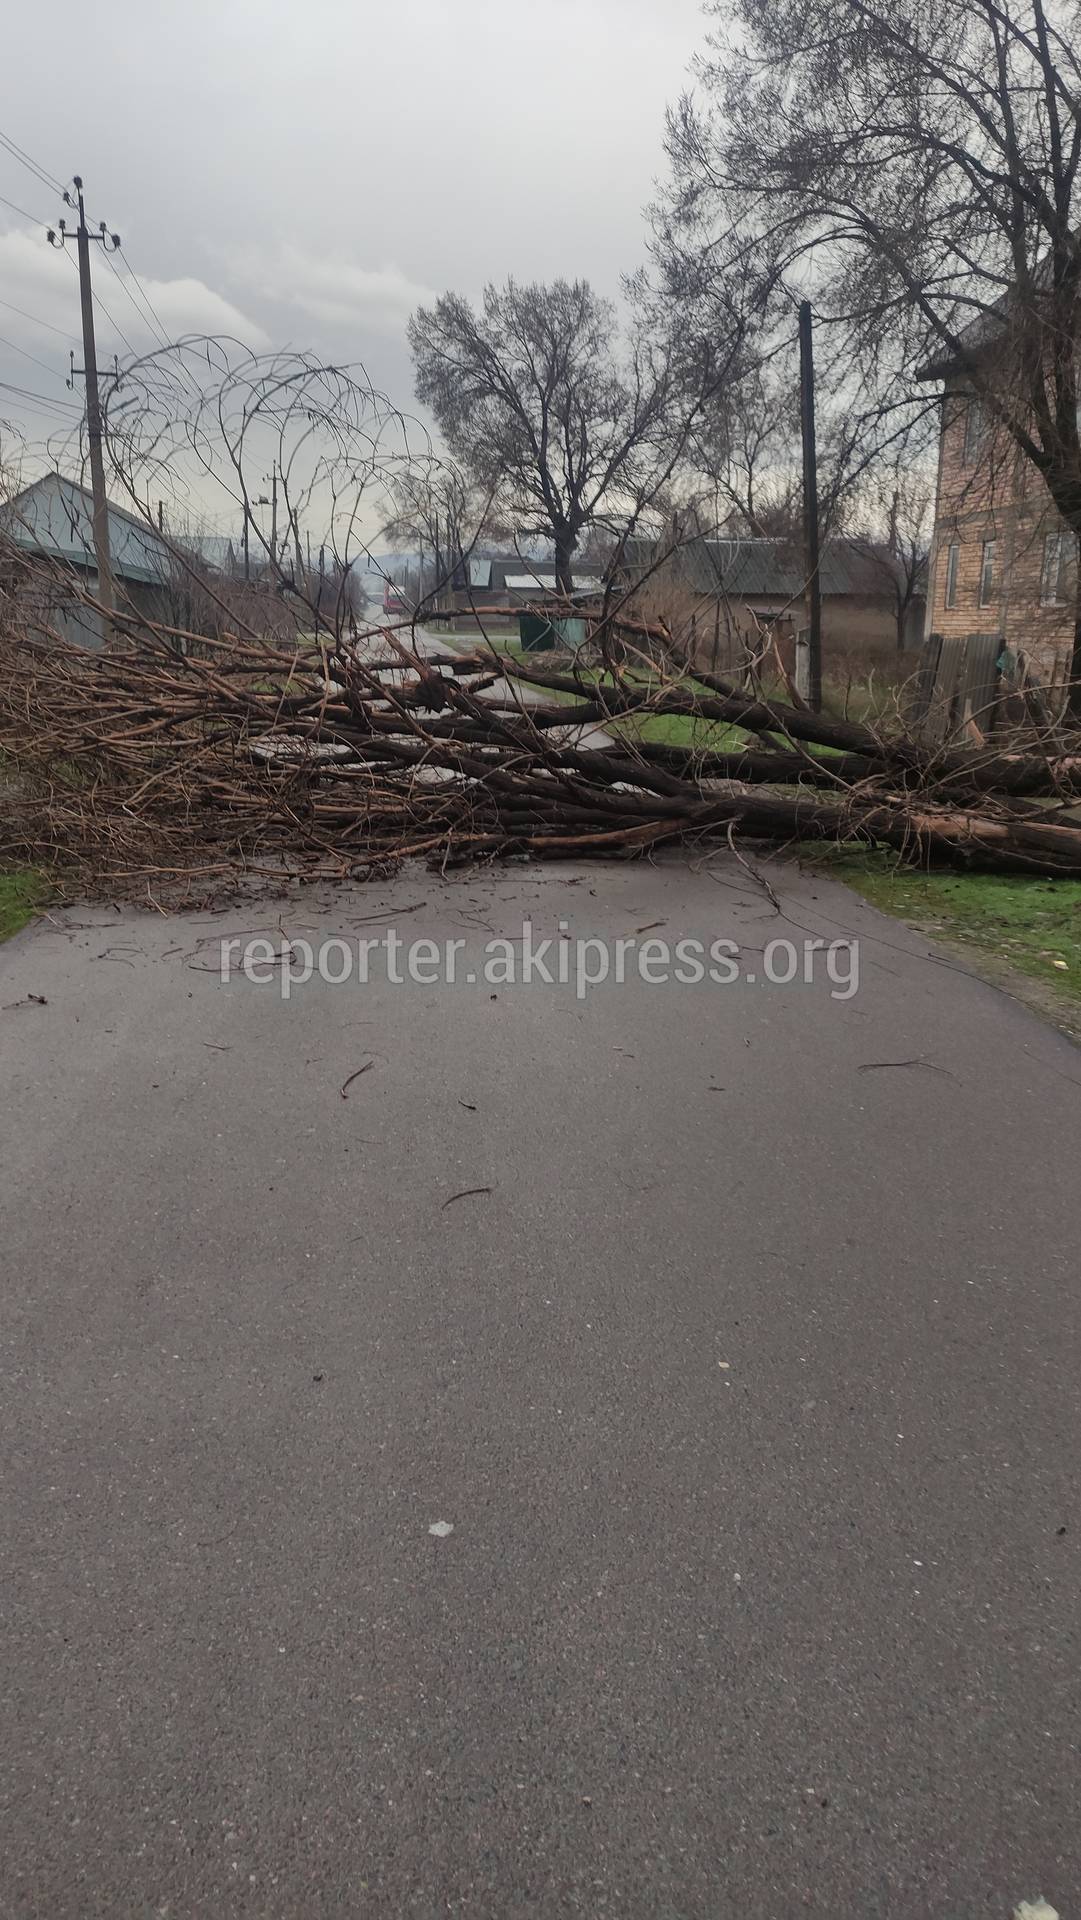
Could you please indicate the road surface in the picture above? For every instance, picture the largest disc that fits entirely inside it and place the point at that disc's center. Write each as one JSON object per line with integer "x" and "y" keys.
{"x": 429, "y": 640}
{"x": 684, "y": 1523}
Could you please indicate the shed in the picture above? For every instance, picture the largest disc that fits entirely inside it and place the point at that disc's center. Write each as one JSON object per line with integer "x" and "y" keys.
{"x": 730, "y": 589}
{"x": 53, "y": 519}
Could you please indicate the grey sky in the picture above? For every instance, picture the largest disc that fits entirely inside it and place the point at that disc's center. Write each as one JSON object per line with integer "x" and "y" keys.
{"x": 304, "y": 174}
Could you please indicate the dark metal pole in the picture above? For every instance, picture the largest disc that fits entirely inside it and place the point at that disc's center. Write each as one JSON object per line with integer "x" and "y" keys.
{"x": 811, "y": 556}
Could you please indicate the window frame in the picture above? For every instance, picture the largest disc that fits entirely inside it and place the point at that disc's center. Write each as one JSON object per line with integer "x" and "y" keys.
{"x": 988, "y": 591}
{"x": 1050, "y": 589}
{"x": 975, "y": 429}
{"x": 953, "y": 568}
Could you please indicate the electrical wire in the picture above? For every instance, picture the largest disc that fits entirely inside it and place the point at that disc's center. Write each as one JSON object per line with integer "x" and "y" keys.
{"x": 27, "y": 160}
{"x": 176, "y": 373}
{"x": 104, "y": 311}
{"x": 140, "y": 316}
{"x": 37, "y": 320}
{"x": 145, "y": 297}
{"x": 25, "y": 393}
{"x": 21, "y": 211}
{"x": 43, "y": 364}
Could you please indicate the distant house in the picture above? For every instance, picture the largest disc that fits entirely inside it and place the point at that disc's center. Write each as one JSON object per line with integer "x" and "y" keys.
{"x": 53, "y": 520}
{"x": 726, "y": 594}
{"x": 217, "y": 552}
{"x": 508, "y": 580}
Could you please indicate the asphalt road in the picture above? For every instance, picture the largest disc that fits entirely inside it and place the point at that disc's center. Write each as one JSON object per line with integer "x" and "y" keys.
{"x": 749, "y": 1386}
{"x": 430, "y": 640}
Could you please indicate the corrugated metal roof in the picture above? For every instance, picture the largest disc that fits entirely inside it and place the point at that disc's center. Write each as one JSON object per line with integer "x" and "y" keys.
{"x": 54, "y": 517}
{"x": 744, "y": 568}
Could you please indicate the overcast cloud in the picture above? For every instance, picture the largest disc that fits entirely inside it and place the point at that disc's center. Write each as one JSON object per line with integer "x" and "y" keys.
{"x": 304, "y": 175}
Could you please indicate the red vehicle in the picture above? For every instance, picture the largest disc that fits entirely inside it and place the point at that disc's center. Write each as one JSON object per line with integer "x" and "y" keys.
{"x": 392, "y": 598}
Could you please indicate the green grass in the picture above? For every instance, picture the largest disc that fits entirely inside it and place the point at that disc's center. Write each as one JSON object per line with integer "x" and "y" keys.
{"x": 20, "y": 893}
{"x": 1027, "y": 925}
{"x": 679, "y": 730}
{"x": 659, "y": 729}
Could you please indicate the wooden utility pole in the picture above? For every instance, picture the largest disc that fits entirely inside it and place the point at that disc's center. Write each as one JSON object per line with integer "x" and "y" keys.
{"x": 109, "y": 243}
{"x": 811, "y": 556}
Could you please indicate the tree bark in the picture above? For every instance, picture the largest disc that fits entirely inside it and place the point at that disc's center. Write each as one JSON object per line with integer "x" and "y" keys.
{"x": 565, "y": 546}
{"x": 1073, "y": 697}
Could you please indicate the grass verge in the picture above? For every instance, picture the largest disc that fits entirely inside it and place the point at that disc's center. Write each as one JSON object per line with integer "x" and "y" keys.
{"x": 20, "y": 893}
{"x": 1021, "y": 932}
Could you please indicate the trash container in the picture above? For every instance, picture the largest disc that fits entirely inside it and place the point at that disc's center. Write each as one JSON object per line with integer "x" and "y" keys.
{"x": 537, "y": 633}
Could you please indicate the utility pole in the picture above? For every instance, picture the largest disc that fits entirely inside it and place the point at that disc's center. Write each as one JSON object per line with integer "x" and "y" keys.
{"x": 811, "y": 555}
{"x": 274, "y": 514}
{"x": 249, "y": 521}
{"x": 109, "y": 244}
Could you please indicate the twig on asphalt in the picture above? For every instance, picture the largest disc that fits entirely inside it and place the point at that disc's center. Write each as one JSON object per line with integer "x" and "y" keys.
{"x": 346, "y": 1084}
{"x": 463, "y": 1195}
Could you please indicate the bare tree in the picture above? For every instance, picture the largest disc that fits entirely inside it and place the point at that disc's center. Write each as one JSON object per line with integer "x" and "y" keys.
{"x": 437, "y": 511}
{"x": 561, "y": 424}
{"x": 914, "y": 165}
{"x": 205, "y": 421}
{"x": 747, "y": 446}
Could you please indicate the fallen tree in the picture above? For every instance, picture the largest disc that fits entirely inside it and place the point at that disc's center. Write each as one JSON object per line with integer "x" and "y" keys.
{"x": 148, "y": 764}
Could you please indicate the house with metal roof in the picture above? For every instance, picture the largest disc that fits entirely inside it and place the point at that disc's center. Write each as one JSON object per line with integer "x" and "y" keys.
{"x": 219, "y": 552}
{"x": 510, "y": 580}
{"x": 731, "y": 593}
{"x": 53, "y": 520}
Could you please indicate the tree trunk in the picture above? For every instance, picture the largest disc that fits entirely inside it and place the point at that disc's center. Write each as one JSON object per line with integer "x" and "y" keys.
{"x": 564, "y": 549}
{"x": 1073, "y": 698}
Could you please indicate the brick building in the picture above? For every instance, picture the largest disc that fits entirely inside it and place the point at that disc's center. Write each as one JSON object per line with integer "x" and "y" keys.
{"x": 1002, "y": 559}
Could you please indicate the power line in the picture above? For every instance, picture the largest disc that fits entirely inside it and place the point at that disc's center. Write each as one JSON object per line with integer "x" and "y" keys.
{"x": 36, "y": 318}
{"x": 103, "y": 309}
{"x": 21, "y": 211}
{"x": 4, "y": 342}
{"x": 54, "y": 423}
{"x": 176, "y": 373}
{"x": 145, "y": 297}
{"x": 27, "y": 160}
{"x": 24, "y": 393}
{"x": 141, "y": 317}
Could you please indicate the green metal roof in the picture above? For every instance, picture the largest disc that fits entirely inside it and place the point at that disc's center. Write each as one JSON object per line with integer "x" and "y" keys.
{"x": 54, "y": 517}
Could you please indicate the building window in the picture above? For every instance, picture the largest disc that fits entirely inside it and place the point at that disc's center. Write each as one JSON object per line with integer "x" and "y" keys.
{"x": 975, "y": 429}
{"x": 1051, "y": 571}
{"x": 953, "y": 559}
{"x": 987, "y": 572}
